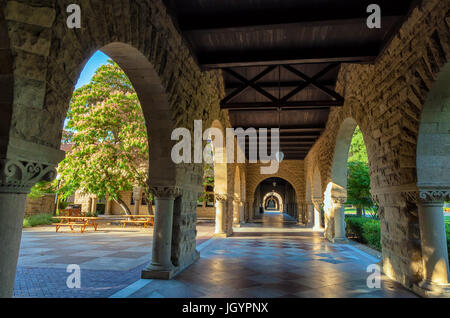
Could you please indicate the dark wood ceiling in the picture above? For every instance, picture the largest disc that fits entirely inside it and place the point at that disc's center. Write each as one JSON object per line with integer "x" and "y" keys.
{"x": 281, "y": 58}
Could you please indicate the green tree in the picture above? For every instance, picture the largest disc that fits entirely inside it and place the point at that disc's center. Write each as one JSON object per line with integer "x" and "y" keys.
{"x": 110, "y": 149}
{"x": 358, "y": 177}
{"x": 357, "y": 151}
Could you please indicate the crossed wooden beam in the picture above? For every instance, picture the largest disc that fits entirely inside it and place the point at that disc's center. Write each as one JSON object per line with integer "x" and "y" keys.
{"x": 284, "y": 102}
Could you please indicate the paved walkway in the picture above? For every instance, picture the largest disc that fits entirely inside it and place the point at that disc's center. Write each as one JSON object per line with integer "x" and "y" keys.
{"x": 272, "y": 257}
{"x": 110, "y": 259}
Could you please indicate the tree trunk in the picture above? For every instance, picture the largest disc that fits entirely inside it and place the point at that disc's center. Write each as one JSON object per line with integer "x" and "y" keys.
{"x": 149, "y": 205}
{"x": 123, "y": 206}
{"x": 358, "y": 211}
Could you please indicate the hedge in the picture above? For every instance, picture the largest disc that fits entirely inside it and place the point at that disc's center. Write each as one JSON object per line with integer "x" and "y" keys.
{"x": 364, "y": 230}
{"x": 367, "y": 231}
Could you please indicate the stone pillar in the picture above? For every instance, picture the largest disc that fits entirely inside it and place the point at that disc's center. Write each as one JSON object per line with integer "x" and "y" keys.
{"x": 136, "y": 199}
{"x": 250, "y": 210}
{"x": 236, "y": 218}
{"x": 339, "y": 220}
{"x": 316, "y": 205}
{"x": 434, "y": 243}
{"x": 310, "y": 214}
{"x": 221, "y": 201}
{"x": 241, "y": 212}
{"x": 16, "y": 179}
{"x": 12, "y": 210}
{"x": 161, "y": 266}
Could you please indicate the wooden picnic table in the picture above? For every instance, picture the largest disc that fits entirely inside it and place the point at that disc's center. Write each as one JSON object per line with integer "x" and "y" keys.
{"x": 71, "y": 221}
{"x": 145, "y": 220}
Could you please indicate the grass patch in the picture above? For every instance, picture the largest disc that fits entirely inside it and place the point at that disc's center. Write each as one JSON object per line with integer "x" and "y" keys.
{"x": 364, "y": 230}
{"x": 38, "y": 219}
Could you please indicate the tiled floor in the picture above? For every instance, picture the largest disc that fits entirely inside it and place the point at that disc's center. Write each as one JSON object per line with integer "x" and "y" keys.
{"x": 110, "y": 259}
{"x": 272, "y": 257}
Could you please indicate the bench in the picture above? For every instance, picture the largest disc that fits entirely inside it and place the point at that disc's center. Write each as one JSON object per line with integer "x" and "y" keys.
{"x": 145, "y": 220}
{"x": 72, "y": 221}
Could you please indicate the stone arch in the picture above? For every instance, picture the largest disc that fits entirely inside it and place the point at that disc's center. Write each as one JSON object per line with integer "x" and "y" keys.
{"x": 155, "y": 107}
{"x": 146, "y": 44}
{"x": 278, "y": 197}
{"x": 289, "y": 200}
{"x": 433, "y": 182}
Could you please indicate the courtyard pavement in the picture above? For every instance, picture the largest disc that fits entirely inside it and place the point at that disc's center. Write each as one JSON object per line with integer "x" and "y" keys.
{"x": 272, "y": 257}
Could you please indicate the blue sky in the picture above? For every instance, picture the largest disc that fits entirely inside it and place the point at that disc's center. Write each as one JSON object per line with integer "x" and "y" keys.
{"x": 91, "y": 66}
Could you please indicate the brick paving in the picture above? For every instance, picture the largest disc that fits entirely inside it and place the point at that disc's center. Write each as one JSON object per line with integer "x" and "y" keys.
{"x": 110, "y": 259}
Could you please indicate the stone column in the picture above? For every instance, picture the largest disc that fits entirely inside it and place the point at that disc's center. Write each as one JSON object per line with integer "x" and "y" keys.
{"x": 316, "y": 205}
{"x": 241, "y": 212}
{"x": 161, "y": 266}
{"x": 310, "y": 214}
{"x": 434, "y": 242}
{"x": 16, "y": 179}
{"x": 136, "y": 199}
{"x": 236, "y": 217}
{"x": 221, "y": 201}
{"x": 339, "y": 220}
{"x": 250, "y": 210}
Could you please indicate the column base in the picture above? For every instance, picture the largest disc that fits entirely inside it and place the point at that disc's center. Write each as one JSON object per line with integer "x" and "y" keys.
{"x": 150, "y": 273}
{"x": 432, "y": 290}
{"x": 340, "y": 240}
{"x": 158, "y": 272}
{"x": 221, "y": 235}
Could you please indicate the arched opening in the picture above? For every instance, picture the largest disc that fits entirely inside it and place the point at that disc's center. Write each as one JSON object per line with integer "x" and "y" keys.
{"x": 350, "y": 184}
{"x": 273, "y": 202}
{"x": 317, "y": 199}
{"x": 280, "y": 193}
{"x": 433, "y": 182}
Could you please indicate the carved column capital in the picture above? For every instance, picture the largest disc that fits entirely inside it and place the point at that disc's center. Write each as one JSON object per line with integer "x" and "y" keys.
{"x": 317, "y": 201}
{"x": 164, "y": 192}
{"x": 18, "y": 176}
{"x": 434, "y": 195}
{"x": 339, "y": 201}
{"x": 220, "y": 196}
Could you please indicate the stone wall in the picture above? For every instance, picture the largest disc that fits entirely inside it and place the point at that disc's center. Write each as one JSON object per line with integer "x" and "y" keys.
{"x": 44, "y": 204}
{"x": 386, "y": 99}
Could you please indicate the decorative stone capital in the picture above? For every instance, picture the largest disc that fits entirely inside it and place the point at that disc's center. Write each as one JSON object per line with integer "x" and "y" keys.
{"x": 317, "y": 201}
{"x": 220, "y": 197}
{"x": 18, "y": 176}
{"x": 434, "y": 195}
{"x": 165, "y": 192}
{"x": 339, "y": 201}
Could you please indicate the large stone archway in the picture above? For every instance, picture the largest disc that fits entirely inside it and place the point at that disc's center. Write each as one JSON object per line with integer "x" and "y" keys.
{"x": 433, "y": 183}
{"x": 335, "y": 194}
{"x": 386, "y": 100}
{"x": 45, "y": 58}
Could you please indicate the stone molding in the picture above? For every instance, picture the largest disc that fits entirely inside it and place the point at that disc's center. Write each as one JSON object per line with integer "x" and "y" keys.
{"x": 18, "y": 176}
{"x": 165, "y": 192}
{"x": 434, "y": 195}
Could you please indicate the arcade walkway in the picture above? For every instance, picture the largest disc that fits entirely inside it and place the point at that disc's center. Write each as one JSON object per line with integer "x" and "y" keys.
{"x": 272, "y": 257}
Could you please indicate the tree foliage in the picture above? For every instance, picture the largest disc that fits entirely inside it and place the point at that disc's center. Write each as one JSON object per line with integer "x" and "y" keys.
{"x": 358, "y": 176}
{"x": 109, "y": 136}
